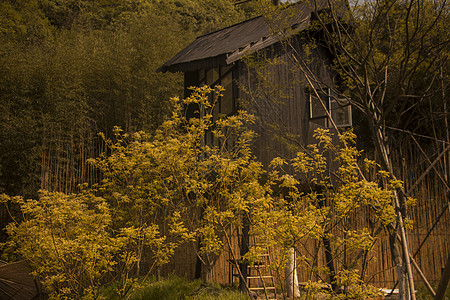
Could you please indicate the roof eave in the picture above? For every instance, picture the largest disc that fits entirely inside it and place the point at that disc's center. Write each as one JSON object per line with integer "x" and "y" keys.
{"x": 206, "y": 63}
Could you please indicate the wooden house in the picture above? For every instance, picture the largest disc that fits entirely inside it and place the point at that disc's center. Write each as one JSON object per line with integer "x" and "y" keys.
{"x": 271, "y": 67}
{"x": 261, "y": 64}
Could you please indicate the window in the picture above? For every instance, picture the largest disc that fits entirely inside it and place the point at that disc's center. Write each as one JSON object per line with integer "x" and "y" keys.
{"x": 340, "y": 110}
{"x": 341, "y": 114}
{"x": 227, "y": 101}
{"x": 317, "y": 111}
{"x": 226, "y": 104}
{"x": 223, "y": 76}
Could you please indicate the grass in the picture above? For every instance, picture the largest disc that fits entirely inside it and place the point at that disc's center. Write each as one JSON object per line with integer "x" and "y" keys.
{"x": 424, "y": 294}
{"x": 176, "y": 288}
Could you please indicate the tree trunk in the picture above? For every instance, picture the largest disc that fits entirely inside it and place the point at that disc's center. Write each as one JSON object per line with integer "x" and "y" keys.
{"x": 330, "y": 264}
{"x": 291, "y": 274}
{"x": 402, "y": 263}
{"x": 206, "y": 272}
{"x": 399, "y": 266}
{"x": 243, "y": 266}
{"x": 440, "y": 293}
{"x": 198, "y": 263}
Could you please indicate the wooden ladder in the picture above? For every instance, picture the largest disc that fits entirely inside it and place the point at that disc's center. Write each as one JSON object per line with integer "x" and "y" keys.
{"x": 260, "y": 277}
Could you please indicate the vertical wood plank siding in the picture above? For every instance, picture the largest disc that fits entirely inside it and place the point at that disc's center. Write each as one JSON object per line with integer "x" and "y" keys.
{"x": 279, "y": 100}
{"x": 280, "y": 103}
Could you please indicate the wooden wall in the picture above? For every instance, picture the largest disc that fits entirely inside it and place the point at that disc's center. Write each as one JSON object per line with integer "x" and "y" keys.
{"x": 431, "y": 205}
{"x": 279, "y": 101}
{"x": 273, "y": 88}
{"x": 431, "y": 202}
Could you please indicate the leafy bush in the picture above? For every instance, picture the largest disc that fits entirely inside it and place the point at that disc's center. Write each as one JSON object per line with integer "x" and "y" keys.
{"x": 67, "y": 242}
{"x": 158, "y": 191}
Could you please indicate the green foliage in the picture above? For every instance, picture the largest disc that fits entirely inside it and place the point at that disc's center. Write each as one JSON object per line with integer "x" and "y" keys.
{"x": 56, "y": 98}
{"x": 424, "y": 294}
{"x": 191, "y": 14}
{"x": 201, "y": 16}
{"x": 397, "y": 58}
{"x": 70, "y": 69}
{"x": 98, "y": 14}
{"x": 171, "y": 288}
{"x": 23, "y": 21}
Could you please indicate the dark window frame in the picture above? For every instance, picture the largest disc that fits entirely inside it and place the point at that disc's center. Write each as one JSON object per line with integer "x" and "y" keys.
{"x": 222, "y": 71}
{"x": 320, "y": 117}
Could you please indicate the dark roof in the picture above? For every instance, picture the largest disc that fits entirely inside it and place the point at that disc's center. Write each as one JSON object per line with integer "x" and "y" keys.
{"x": 227, "y": 45}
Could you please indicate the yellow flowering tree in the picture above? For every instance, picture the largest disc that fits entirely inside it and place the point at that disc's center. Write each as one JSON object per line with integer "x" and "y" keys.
{"x": 67, "y": 241}
{"x": 190, "y": 188}
{"x": 317, "y": 194}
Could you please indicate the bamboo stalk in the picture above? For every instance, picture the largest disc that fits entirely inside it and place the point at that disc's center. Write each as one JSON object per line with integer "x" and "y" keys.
{"x": 432, "y": 164}
{"x": 419, "y": 271}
